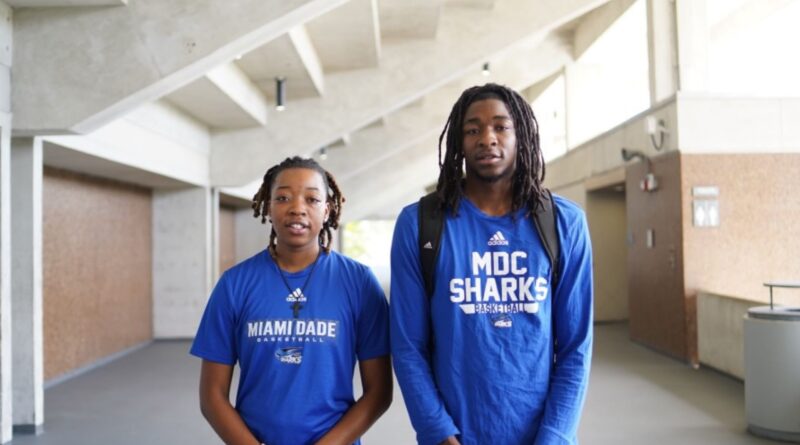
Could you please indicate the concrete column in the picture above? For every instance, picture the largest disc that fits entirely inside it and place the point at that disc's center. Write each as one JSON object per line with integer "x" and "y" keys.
{"x": 6, "y": 420}
{"x": 6, "y": 32}
{"x": 183, "y": 259}
{"x": 692, "y": 35}
{"x": 662, "y": 49}
{"x": 26, "y": 284}
{"x": 214, "y": 235}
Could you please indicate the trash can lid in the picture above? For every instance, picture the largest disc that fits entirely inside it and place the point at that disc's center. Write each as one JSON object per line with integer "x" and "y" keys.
{"x": 784, "y": 313}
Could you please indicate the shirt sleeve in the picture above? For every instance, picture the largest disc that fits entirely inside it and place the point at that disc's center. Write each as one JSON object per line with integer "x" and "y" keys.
{"x": 373, "y": 320}
{"x": 410, "y": 336}
{"x": 215, "y": 339}
{"x": 572, "y": 318}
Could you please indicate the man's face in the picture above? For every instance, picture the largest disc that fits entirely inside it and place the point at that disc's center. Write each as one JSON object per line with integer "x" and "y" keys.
{"x": 490, "y": 141}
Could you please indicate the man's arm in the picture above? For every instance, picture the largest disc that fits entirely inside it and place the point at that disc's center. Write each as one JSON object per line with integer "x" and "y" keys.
{"x": 376, "y": 381}
{"x": 410, "y": 337}
{"x": 572, "y": 328}
{"x": 215, "y": 384}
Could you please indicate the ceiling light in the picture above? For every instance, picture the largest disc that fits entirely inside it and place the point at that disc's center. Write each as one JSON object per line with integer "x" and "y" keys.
{"x": 280, "y": 93}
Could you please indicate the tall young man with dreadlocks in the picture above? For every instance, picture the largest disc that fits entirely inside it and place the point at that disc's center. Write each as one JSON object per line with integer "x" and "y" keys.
{"x": 295, "y": 317}
{"x": 498, "y": 353}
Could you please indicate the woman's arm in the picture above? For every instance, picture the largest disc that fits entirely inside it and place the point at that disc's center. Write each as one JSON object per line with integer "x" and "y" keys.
{"x": 215, "y": 385}
{"x": 376, "y": 380}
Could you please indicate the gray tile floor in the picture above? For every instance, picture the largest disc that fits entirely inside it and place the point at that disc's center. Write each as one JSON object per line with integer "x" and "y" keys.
{"x": 635, "y": 396}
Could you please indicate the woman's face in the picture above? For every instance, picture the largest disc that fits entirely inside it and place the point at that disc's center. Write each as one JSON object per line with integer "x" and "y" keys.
{"x": 298, "y": 208}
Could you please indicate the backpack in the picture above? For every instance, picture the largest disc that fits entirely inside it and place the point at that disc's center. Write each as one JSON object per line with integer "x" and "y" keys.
{"x": 431, "y": 225}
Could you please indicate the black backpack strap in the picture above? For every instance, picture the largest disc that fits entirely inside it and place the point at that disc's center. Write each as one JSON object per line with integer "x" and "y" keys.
{"x": 545, "y": 221}
{"x": 431, "y": 223}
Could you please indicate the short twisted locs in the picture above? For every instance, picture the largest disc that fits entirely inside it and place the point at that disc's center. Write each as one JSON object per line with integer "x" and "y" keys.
{"x": 333, "y": 198}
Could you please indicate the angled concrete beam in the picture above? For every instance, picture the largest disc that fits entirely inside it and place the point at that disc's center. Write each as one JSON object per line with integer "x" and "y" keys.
{"x": 390, "y": 182}
{"x": 223, "y": 98}
{"x": 98, "y": 64}
{"x": 413, "y": 162}
{"x": 408, "y": 71}
{"x": 290, "y": 56}
{"x": 409, "y": 126}
{"x": 534, "y": 91}
{"x": 382, "y": 155}
{"x": 308, "y": 56}
{"x": 597, "y": 22}
{"x": 241, "y": 91}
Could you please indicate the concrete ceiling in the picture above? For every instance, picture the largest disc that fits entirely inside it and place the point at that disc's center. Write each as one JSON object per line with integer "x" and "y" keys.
{"x": 370, "y": 80}
{"x": 63, "y": 3}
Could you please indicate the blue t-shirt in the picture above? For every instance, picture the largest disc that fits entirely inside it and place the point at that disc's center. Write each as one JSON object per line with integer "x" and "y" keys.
{"x": 296, "y": 374}
{"x": 476, "y": 360}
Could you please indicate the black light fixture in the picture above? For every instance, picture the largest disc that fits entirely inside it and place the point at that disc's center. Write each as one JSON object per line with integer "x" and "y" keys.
{"x": 323, "y": 153}
{"x": 280, "y": 93}
{"x": 486, "y": 70}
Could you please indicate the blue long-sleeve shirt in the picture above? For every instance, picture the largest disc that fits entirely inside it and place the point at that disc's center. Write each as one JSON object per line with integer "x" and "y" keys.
{"x": 476, "y": 359}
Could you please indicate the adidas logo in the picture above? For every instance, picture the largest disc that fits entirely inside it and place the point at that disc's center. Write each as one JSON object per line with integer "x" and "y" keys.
{"x": 428, "y": 245}
{"x": 498, "y": 239}
{"x": 297, "y": 295}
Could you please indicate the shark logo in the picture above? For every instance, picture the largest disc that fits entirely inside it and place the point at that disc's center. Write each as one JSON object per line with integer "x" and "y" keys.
{"x": 501, "y": 321}
{"x": 292, "y": 355}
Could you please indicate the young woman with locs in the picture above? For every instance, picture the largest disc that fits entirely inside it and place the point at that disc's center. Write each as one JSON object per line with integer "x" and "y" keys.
{"x": 296, "y": 318}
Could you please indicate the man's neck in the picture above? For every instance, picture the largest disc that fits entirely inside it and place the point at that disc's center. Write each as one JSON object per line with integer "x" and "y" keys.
{"x": 492, "y": 198}
{"x": 292, "y": 259}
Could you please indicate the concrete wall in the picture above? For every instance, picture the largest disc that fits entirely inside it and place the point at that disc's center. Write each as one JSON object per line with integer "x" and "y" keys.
{"x": 183, "y": 259}
{"x": 6, "y": 31}
{"x": 605, "y": 212}
{"x": 6, "y": 54}
{"x": 97, "y": 269}
{"x": 720, "y": 331}
{"x": 738, "y": 124}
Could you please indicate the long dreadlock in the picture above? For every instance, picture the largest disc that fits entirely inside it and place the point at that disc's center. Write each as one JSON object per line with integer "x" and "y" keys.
{"x": 527, "y": 189}
{"x": 333, "y": 198}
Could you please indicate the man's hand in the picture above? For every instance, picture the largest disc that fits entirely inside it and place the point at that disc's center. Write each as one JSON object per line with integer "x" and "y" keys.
{"x": 450, "y": 441}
